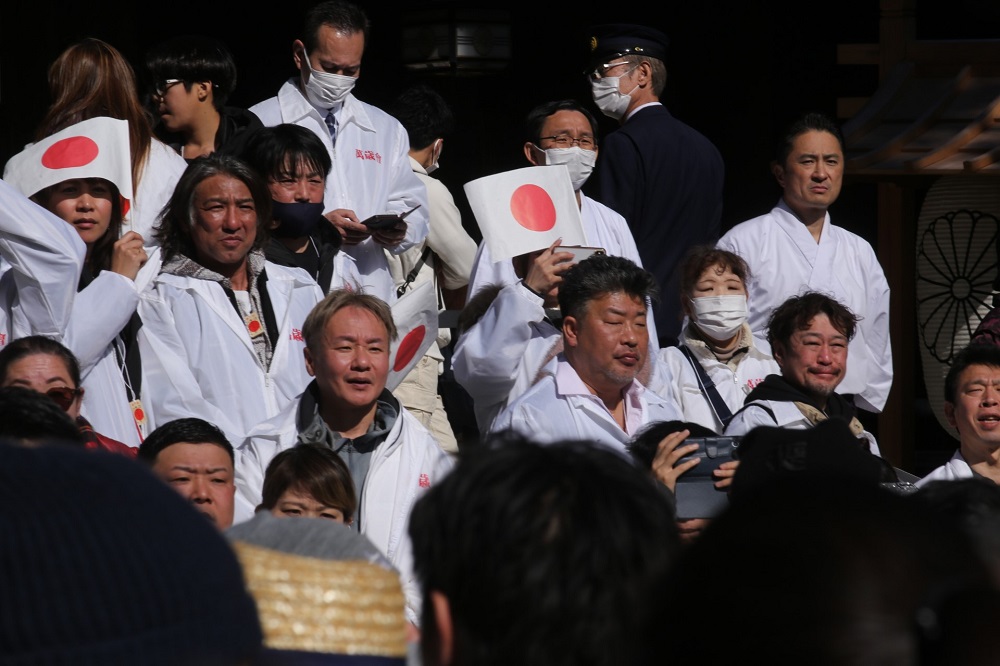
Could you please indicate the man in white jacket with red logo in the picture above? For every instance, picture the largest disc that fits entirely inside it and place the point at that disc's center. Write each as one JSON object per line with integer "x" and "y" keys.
{"x": 371, "y": 172}
{"x": 392, "y": 458}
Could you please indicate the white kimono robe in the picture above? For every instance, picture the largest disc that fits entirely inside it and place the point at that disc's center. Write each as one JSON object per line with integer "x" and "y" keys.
{"x": 371, "y": 173}
{"x": 561, "y": 407}
{"x": 785, "y": 260}
{"x": 956, "y": 468}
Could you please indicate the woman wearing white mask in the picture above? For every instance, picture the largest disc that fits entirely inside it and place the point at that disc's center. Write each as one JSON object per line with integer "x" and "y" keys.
{"x": 717, "y": 362}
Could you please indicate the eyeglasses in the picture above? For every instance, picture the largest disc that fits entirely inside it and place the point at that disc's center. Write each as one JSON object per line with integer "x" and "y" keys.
{"x": 63, "y": 396}
{"x": 565, "y": 141}
{"x": 161, "y": 87}
{"x": 602, "y": 70}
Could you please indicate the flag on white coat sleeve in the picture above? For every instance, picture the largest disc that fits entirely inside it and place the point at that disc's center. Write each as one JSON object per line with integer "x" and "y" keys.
{"x": 94, "y": 148}
{"x": 416, "y": 318}
{"x": 525, "y": 210}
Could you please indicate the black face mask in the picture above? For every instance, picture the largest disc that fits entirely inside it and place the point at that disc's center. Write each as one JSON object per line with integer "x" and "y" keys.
{"x": 295, "y": 219}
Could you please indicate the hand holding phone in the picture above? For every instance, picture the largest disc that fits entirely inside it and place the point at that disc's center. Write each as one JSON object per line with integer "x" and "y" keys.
{"x": 385, "y": 221}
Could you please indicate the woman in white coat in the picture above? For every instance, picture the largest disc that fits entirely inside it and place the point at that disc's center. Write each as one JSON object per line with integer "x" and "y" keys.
{"x": 221, "y": 335}
{"x": 717, "y": 361}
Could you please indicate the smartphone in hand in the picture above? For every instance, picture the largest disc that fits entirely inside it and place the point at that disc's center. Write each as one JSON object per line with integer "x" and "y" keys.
{"x": 385, "y": 221}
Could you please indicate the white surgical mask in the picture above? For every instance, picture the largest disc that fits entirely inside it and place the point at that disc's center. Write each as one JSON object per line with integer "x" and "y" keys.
{"x": 578, "y": 161}
{"x": 436, "y": 152}
{"x": 719, "y": 317}
{"x": 326, "y": 90}
{"x": 609, "y": 99}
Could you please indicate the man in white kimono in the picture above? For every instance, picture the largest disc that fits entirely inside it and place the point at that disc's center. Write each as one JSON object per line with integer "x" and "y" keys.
{"x": 796, "y": 248}
{"x": 371, "y": 172}
{"x": 591, "y": 392}
{"x": 972, "y": 407}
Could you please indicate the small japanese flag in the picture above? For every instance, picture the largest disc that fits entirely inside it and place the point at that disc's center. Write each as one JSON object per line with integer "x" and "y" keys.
{"x": 525, "y": 210}
{"x": 416, "y": 317}
{"x": 94, "y": 148}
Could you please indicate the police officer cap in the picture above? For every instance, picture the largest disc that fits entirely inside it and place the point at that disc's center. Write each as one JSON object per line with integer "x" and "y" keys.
{"x": 613, "y": 40}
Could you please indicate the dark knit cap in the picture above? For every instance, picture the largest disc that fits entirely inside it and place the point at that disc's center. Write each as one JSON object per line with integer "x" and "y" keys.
{"x": 103, "y": 563}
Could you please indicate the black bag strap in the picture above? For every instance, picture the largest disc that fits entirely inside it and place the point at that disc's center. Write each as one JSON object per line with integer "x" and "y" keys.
{"x": 708, "y": 388}
{"x": 412, "y": 275}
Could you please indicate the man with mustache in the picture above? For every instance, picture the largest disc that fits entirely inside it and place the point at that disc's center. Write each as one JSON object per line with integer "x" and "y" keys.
{"x": 809, "y": 337}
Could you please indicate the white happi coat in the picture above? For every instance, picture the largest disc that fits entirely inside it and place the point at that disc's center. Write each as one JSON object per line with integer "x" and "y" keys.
{"x": 559, "y": 406}
{"x": 501, "y": 355}
{"x": 785, "y": 260}
{"x": 956, "y": 468}
{"x": 371, "y": 173}
{"x": 40, "y": 260}
{"x": 198, "y": 358}
{"x": 100, "y": 312}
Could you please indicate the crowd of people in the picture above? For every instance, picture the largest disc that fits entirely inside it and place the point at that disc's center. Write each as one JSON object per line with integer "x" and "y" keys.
{"x": 199, "y": 297}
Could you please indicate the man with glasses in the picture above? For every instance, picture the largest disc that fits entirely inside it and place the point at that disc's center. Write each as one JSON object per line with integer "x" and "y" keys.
{"x": 371, "y": 172}
{"x": 558, "y": 132}
{"x": 663, "y": 176}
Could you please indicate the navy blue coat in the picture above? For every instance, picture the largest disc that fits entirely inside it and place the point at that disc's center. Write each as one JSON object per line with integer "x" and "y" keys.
{"x": 665, "y": 179}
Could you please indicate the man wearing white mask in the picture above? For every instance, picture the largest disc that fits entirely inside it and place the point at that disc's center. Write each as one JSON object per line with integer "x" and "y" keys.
{"x": 371, "y": 172}
{"x": 717, "y": 362}
{"x": 564, "y": 132}
{"x": 662, "y": 176}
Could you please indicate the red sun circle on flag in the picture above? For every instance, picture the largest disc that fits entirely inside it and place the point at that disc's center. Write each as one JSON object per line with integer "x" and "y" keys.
{"x": 532, "y": 208}
{"x": 408, "y": 347}
{"x": 75, "y": 151}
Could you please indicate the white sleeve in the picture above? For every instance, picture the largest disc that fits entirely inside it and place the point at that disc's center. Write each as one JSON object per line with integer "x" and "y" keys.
{"x": 45, "y": 256}
{"x": 876, "y": 327}
{"x": 100, "y": 312}
{"x": 448, "y": 238}
{"x": 747, "y": 419}
{"x": 406, "y": 191}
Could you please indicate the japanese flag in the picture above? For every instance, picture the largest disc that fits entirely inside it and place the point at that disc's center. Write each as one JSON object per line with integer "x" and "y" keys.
{"x": 416, "y": 317}
{"x": 525, "y": 210}
{"x": 94, "y": 148}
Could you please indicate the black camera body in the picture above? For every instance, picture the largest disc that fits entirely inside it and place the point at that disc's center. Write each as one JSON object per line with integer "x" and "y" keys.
{"x": 696, "y": 494}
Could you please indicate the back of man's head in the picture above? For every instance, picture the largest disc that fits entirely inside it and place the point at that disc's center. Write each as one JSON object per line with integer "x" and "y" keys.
{"x": 424, "y": 114}
{"x": 602, "y": 274}
{"x": 542, "y": 554}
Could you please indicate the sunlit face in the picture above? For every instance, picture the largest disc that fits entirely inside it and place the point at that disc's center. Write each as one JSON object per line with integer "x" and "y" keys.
{"x": 816, "y": 358}
{"x": 297, "y": 503}
{"x": 202, "y": 473}
{"x": 225, "y": 224}
{"x": 976, "y": 410}
{"x": 306, "y": 187}
{"x": 44, "y": 373}
{"x": 335, "y": 53}
{"x": 564, "y": 122}
{"x": 716, "y": 280}
{"x": 812, "y": 174}
{"x": 86, "y": 203}
{"x": 608, "y": 344}
{"x": 352, "y": 363}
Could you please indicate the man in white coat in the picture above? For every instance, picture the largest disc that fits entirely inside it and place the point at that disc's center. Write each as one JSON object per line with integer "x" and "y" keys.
{"x": 592, "y": 392}
{"x": 221, "y": 336}
{"x": 371, "y": 172}
{"x": 796, "y": 247}
{"x": 499, "y": 355}
{"x": 972, "y": 407}
{"x": 809, "y": 337}
{"x": 392, "y": 458}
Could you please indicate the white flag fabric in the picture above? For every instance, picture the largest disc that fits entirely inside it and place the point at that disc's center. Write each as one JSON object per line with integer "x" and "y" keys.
{"x": 416, "y": 317}
{"x": 94, "y": 148}
{"x": 525, "y": 210}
